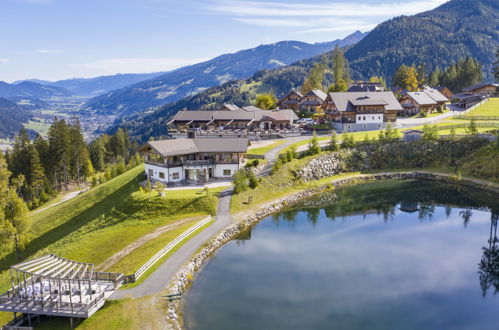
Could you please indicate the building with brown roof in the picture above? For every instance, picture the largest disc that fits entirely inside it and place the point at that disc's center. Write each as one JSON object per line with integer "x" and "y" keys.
{"x": 195, "y": 160}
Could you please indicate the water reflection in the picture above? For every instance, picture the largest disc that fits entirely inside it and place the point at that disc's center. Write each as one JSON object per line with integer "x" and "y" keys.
{"x": 390, "y": 256}
{"x": 489, "y": 265}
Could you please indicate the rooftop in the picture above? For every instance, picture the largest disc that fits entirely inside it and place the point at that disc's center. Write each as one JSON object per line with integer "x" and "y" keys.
{"x": 174, "y": 147}
{"x": 347, "y": 101}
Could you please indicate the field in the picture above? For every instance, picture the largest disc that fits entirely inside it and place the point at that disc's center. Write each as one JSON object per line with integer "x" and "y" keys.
{"x": 99, "y": 223}
{"x": 491, "y": 108}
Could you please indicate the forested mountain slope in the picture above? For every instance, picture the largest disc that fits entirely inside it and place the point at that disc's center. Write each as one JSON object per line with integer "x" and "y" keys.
{"x": 434, "y": 38}
{"x": 190, "y": 80}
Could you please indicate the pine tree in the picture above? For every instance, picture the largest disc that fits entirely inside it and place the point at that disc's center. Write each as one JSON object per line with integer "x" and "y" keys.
{"x": 313, "y": 145}
{"x": 78, "y": 151}
{"x": 400, "y": 76}
{"x": 340, "y": 69}
{"x": 496, "y": 65}
{"x": 333, "y": 143}
{"x": 60, "y": 152}
{"x": 472, "y": 128}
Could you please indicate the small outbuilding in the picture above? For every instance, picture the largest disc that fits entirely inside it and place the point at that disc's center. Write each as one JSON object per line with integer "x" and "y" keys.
{"x": 413, "y": 135}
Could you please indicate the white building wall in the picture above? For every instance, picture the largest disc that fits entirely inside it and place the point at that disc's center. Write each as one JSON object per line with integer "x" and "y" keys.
{"x": 168, "y": 173}
{"x": 219, "y": 170}
{"x": 375, "y": 118}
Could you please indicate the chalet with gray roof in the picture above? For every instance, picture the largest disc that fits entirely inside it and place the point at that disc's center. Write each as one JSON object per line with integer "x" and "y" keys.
{"x": 366, "y": 87}
{"x": 312, "y": 101}
{"x": 483, "y": 89}
{"x": 246, "y": 118}
{"x": 196, "y": 160}
{"x": 358, "y": 111}
{"x": 416, "y": 102}
{"x": 290, "y": 101}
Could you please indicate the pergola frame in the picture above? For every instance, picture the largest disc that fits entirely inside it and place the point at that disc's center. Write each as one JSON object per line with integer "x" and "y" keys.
{"x": 51, "y": 285}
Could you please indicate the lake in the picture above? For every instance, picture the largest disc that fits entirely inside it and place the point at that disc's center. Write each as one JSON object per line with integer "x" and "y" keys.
{"x": 387, "y": 255}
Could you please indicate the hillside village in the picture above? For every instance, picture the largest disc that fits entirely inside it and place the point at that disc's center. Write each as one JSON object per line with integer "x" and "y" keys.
{"x": 209, "y": 196}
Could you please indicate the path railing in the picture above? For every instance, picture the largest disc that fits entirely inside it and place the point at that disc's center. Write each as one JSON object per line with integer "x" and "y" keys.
{"x": 135, "y": 276}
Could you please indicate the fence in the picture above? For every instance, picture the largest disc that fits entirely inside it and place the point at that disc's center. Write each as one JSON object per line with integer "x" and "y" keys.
{"x": 491, "y": 125}
{"x": 135, "y": 276}
{"x": 477, "y": 117}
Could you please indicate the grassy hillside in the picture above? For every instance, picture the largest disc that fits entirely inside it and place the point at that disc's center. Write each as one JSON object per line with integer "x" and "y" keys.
{"x": 99, "y": 223}
{"x": 482, "y": 164}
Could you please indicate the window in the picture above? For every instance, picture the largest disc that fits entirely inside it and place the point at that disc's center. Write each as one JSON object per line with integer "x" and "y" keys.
{"x": 227, "y": 172}
{"x": 175, "y": 175}
{"x": 365, "y": 126}
{"x": 161, "y": 175}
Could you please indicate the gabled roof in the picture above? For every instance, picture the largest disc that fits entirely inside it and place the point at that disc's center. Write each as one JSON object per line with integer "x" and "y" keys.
{"x": 346, "y": 101}
{"x": 317, "y": 92}
{"x": 231, "y": 107}
{"x": 291, "y": 93}
{"x": 435, "y": 94}
{"x": 421, "y": 98}
{"x": 174, "y": 147}
{"x": 480, "y": 85}
{"x": 246, "y": 114}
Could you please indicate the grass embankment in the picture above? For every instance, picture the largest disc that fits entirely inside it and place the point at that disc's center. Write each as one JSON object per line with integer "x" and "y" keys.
{"x": 141, "y": 313}
{"x": 482, "y": 164}
{"x": 99, "y": 223}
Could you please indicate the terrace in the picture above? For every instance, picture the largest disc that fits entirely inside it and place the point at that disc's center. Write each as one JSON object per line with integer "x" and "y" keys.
{"x": 55, "y": 286}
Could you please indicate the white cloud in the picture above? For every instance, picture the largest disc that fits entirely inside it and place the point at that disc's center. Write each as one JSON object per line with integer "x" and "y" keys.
{"x": 351, "y": 9}
{"x": 49, "y": 51}
{"x": 4, "y": 60}
{"x": 336, "y": 16}
{"x": 133, "y": 65}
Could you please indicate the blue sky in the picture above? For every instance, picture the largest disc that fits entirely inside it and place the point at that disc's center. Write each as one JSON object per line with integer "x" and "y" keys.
{"x": 56, "y": 39}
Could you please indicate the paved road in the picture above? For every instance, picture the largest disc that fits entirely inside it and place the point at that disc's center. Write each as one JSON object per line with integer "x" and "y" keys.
{"x": 161, "y": 277}
{"x": 272, "y": 155}
{"x": 410, "y": 122}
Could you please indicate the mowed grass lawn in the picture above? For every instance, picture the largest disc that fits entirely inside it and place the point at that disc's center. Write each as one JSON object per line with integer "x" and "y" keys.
{"x": 101, "y": 222}
{"x": 263, "y": 150}
{"x": 491, "y": 108}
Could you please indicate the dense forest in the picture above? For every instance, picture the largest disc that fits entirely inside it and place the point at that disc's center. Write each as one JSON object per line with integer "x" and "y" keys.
{"x": 436, "y": 38}
{"x": 42, "y": 167}
{"x": 12, "y": 117}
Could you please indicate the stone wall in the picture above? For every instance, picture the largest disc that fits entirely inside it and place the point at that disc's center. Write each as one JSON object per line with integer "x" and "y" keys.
{"x": 184, "y": 277}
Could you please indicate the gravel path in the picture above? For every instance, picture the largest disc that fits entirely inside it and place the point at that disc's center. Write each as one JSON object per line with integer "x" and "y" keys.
{"x": 161, "y": 277}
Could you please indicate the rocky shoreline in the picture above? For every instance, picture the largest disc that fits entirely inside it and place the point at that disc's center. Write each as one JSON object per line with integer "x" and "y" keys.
{"x": 185, "y": 275}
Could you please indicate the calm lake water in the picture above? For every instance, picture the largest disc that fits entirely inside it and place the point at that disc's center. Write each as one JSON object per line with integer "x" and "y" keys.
{"x": 393, "y": 255}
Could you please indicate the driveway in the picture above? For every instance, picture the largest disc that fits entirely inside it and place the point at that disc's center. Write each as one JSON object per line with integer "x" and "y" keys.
{"x": 161, "y": 277}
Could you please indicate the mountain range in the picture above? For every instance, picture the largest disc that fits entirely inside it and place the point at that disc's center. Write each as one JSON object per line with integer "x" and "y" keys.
{"x": 91, "y": 87}
{"x": 31, "y": 90}
{"x": 193, "y": 79}
{"x": 433, "y": 38}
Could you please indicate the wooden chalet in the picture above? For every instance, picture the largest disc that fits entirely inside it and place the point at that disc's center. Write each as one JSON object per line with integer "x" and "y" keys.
{"x": 290, "y": 101}
{"x": 483, "y": 89}
{"x": 358, "y": 111}
{"x": 312, "y": 101}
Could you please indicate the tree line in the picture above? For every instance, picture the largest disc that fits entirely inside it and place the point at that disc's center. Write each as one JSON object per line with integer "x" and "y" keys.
{"x": 44, "y": 166}
{"x": 460, "y": 74}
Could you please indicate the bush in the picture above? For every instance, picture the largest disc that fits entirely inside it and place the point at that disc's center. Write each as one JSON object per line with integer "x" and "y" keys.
{"x": 240, "y": 181}
{"x": 422, "y": 114}
{"x": 347, "y": 141}
{"x": 253, "y": 181}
